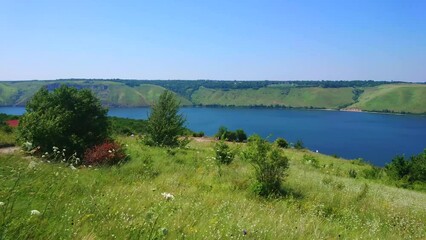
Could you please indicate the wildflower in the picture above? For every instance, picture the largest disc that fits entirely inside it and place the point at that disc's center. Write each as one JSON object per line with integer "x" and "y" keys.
{"x": 168, "y": 196}
{"x": 63, "y": 150}
{"x": 109, "y": 151}
{"x": 35, "y": 212}
{"x": 43, "y": 156}
{"x": 1, "y": 203}
{"x": 72, "y": 167}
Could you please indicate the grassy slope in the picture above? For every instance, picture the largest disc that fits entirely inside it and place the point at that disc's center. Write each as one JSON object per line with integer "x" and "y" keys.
{"x": 115, "y": 94}
{"x": 397, "y": 98}
{"x": 296, "y": 97}
{"x": 126, "y": 203}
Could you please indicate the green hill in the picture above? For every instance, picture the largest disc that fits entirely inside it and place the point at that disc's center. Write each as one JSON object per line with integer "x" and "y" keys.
{"x": 362, "y": 95}
{"x": 315, "y": 97}
{"x": 394, "y": 98}
{"x": 125, "y": 202}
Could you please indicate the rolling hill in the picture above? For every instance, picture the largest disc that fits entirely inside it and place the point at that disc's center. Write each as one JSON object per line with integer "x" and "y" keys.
{"x": 360, "y": 95}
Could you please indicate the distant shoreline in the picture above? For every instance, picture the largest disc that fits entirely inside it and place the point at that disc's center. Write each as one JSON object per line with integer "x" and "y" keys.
{"x": 264, "y": 107}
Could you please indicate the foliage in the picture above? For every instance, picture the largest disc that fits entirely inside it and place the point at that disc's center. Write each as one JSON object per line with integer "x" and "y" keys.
{"x": 299, "y": 145}
{"x": 270, "y": 166}
{"x": 165, "y": 124}
{"x": 107, "y": 153}
{"x": 352, "y": 173}
{"x": 198, "y": 134}
{"x": 411, "y": 170}
{"x": 281, "y": 142}
{"x": 126, "y": 126}
{"x": 311, "y": 160}
{"x": 66, "y": 118}
{"x": 233, "y": 136}
{"x": 224, "y": 155}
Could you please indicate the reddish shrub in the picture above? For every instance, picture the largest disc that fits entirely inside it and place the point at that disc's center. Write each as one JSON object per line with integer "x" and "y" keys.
{"x": 107, "y": 153}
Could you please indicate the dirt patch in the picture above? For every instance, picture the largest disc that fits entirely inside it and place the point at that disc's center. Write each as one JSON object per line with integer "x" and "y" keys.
{"x": 203, "y": 139}
{"x": 8, "y": 150}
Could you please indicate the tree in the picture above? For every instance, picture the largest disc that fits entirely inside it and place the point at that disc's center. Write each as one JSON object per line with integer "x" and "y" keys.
{"x": 164, "y": 124}
{"x": 66, "y": 118}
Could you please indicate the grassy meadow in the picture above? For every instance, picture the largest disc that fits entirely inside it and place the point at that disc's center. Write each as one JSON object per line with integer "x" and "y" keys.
{"x": 323, "y": 201}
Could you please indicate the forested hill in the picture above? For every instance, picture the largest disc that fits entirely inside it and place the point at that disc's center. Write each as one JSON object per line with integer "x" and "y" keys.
{"x": 370, "y": 95}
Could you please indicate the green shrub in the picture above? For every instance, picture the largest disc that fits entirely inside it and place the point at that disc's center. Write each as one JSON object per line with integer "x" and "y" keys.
{"x": 352, "y": 173}
{"x": 224, "y": 155}
{"x": 233, "y": 136}
{"x": 311, "y": 160}
{"x": 198, "y": 134}
{"x": 270, "y": 166}
{"x": 299, "y": 145}
{"x": 66, "y": 118}
{"x": 281, "y": 142}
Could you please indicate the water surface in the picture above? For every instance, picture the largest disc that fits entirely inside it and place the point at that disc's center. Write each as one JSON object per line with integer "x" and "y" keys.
{"x": 374, "y": 137}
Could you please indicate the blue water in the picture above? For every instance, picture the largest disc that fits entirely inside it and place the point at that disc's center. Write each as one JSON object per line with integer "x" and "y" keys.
{"x": 376, "y": 138}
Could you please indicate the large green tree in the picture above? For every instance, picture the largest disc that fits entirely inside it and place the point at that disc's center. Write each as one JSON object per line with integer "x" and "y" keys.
{"x": 165, "y": 124}
{"x": 66, "y": 118}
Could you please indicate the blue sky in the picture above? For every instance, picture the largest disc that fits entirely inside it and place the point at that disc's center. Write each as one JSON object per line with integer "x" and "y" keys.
{"x": 230, "y": 39}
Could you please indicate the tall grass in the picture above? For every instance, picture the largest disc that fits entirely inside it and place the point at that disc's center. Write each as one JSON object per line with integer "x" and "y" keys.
{"x": 125, "y": 202}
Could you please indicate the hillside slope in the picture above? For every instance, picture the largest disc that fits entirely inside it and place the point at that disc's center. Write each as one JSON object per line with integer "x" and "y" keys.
{"x": 362, "y": 95}
{"x": 291, "y": 97}
{"x": 393, "y": 98}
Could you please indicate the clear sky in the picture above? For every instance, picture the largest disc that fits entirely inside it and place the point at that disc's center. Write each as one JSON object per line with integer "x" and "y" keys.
{"x": 216, "y": 39}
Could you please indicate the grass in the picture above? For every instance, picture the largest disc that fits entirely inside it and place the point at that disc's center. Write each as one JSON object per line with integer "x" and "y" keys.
{"x": 291, "y": 97}
{"x": 125, "y": 202}
{"x": 394, "y": 98}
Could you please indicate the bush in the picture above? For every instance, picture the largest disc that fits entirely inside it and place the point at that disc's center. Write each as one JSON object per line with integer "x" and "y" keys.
{"x": 107, "y": 153}
{"x": 198, "y": 134}
{"x": 299, "y": 145}
{"x": 241, "y": 135}
{"x": 311, "y": 160}
{"x": 164, "y": 124}
{"x": 233, "y": 136}
{"x": 66, "y": 118}
{"x": 413, "y": 169}
{"x": 224, "y": 155}
{"x": 281, "y": 142}
{"x": 352, "y": 173}
{"x": 270, "y": 166}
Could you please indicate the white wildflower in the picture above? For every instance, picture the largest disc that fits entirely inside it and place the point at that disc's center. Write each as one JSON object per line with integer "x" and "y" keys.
{"x": 1, "y": 203}
{"x": 168, "y": 196}
{"x": 109, "y": 151}
{"x": 35, "y": 212}
{"x": 72, "y": 167}
{"x": 43, "y": 156}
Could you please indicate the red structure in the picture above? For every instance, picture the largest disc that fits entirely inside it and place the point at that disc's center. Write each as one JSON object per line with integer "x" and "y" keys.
{"x": 12, "y": 123}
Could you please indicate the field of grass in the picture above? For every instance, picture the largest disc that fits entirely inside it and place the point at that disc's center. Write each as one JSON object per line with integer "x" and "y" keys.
{"x": 395, "y": 98}
{"x": 125, "y": 202}
{"x": 315, "y": 97}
